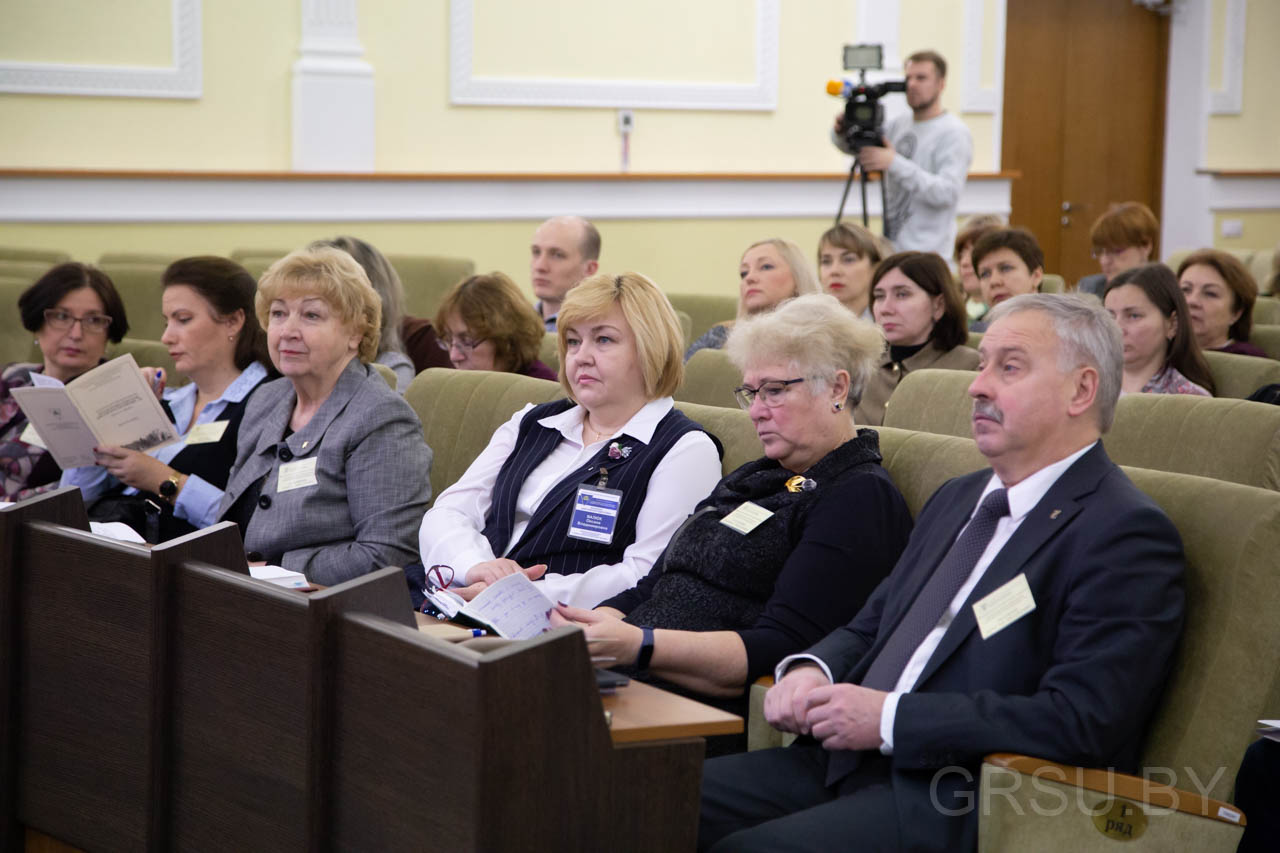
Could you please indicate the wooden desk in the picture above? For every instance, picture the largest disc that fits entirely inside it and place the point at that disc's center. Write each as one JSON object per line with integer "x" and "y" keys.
{"x": 642, "y": 712}
{"x": 639, "y": 712}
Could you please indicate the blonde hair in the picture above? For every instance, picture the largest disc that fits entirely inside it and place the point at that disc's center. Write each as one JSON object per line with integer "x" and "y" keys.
{"x": 659, "y": 339}
{"x": 334, "y": 276}
{"x": 815, "y": 333}
{"x": 802, "y": 274}
{"x": 494, "y": 309}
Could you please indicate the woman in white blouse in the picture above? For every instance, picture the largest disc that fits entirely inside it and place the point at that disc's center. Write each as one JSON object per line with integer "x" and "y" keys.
{"x": 616, "y": 442}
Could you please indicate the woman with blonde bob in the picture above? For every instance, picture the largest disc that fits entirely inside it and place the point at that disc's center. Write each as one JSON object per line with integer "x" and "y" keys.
{"x": 512, "y": 510}
{"x": 726, "y": 601}
{"x": 770, "y": 271}
{"x": 486, "y": 323}
{"x": 331, "y": 470}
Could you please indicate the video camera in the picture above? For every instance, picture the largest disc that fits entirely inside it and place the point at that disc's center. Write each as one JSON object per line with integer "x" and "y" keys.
{"x": 863, "y": 112}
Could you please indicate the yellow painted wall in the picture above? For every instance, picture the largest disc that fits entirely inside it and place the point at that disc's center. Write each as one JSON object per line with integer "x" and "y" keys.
{"x": 138, "y": 32}
{"x": 241, "y": 122}
{"x": 682, "y": 256}
{"x": 243, "y": 119}
{"x": 1250, "y": 140}
{"x": 1261, "y": 229}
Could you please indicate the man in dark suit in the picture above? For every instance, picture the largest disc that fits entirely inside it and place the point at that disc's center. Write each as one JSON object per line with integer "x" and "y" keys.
{"x": 1035, "y": 610}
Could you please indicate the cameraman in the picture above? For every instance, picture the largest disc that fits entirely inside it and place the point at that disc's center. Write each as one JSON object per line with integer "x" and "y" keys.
{"x": 926, "y": 159}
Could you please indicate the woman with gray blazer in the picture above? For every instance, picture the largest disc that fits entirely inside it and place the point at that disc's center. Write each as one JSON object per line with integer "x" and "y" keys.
{"x": 331, "y": 473}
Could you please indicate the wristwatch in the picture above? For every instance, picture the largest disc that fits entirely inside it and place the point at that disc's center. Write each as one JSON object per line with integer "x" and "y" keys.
{"x": 169, "y": 488}
{"x": 646, "y": 649}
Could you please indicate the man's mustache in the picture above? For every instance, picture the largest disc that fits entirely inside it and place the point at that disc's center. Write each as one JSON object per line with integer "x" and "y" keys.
{"x": 987, "y": 409}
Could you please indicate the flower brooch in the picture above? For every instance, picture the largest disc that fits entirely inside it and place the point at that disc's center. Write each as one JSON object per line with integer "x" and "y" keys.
{"x": 618, "y": 452}
{"x": 800, "y": 483}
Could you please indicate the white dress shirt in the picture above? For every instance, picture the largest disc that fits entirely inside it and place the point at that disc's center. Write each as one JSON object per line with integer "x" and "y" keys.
{"x": 452, "y": 530}
{"x": 1022, "y": 499}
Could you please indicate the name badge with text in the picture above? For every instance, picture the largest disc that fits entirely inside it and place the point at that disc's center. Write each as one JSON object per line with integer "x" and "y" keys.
{"x": 747, "y": 517}
{"x": 207, "y": 433}
{"x": 1003, "y": 607}
{"x": 31, "y": 437}
{"x": 297, "y": 475}
{"x": 595, "y": 514}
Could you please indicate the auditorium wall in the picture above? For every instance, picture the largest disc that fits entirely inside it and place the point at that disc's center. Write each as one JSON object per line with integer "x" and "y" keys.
{"x": 242, "y": 119}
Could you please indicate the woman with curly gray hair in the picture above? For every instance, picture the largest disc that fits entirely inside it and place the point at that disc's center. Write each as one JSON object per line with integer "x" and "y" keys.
{"x": 786, "y": 548}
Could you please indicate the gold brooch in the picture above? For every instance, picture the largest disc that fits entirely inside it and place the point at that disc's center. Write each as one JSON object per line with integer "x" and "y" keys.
{"x": 799, "y": 483}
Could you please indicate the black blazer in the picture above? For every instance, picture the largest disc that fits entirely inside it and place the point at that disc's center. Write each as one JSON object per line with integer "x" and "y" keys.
{"x": 1073, "y": 681}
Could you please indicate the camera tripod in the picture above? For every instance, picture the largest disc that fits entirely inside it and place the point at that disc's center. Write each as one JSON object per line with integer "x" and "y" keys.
{"x": 855, "y": 170}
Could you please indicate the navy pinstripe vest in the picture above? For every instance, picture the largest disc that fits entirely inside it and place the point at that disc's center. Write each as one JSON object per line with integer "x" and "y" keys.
{"x": 546, "y": 539}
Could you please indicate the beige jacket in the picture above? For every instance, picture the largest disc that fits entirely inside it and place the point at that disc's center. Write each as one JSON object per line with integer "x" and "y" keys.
{"x": 870, "y": 411}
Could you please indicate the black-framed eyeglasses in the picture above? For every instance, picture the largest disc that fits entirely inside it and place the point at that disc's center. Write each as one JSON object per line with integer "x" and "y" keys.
{"x": 771, "y": 392}
{"x": 62, "y": 319}
{"x": 464, "y": 345}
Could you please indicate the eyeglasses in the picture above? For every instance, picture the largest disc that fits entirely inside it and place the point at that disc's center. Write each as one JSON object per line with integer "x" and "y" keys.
{"x": 770, "y": 392}
{"x": 60, "y": 319}
{"x": 439, "y": 576}
{"x": 1098, "y": 252}
{"x": 464, "y": 345}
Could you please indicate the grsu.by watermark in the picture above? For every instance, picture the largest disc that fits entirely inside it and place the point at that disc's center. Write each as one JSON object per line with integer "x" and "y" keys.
{"x": 1043, "y": 793}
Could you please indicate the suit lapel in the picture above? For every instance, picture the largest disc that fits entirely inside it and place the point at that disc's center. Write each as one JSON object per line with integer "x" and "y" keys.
{"x": 932, "y": 552}
{"x": 305, "y": 440}
{"x": 1045, "y": 520}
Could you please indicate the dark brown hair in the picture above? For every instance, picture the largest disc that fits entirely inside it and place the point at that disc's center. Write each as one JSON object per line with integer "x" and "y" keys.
{"x": 1021, "y": 241}
{"x": 930, "y": 273}
{"x": 227, "y": 287}
{"x": 1161, "y": 287}
{"x": 495, "y": 310}
{"x": 49, "y": 289}
{"x": 1243, "y": 288}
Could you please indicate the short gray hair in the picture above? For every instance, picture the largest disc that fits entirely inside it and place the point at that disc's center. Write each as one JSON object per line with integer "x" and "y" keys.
{"x": 815, "y": 333}
{"x": 1087, "y": 337}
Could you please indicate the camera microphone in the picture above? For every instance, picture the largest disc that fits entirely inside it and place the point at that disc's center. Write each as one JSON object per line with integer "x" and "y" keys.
{"x": 839, "y": 88}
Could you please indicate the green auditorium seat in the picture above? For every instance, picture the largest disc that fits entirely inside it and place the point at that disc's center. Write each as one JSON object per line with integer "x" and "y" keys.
{"x": 704, "y": 310}
{"x": 1164, "y": 432}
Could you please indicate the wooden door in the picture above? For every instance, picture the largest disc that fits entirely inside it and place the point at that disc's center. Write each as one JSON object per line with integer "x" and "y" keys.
{"x": 1083, "y": 118}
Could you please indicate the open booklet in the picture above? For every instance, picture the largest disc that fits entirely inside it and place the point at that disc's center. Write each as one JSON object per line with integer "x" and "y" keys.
{"x": 110, "y": 405}
{"x": 511, "y": 607}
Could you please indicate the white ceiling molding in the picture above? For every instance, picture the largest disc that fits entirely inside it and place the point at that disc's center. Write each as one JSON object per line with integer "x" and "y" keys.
{"x": 1229, "y": 100}
{"x": 879, "y": 22}
{"x": 323, "y": 199}
{"x": 182, "y": 79}
{"x": 334, "y": 102}
{"x": 1185, "y": 219}
{"x": 979, "y": 98}
{"x": 1255, "y": 192}
{"x": 468, "y": 89}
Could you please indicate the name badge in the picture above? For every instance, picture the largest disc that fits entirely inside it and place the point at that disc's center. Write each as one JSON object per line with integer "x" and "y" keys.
{"x": 747, "y": 517}
{"x": 297, "y": 475}
{"x": 207, "y": 433}
{"x": 31, "y": 437}
{"x": 595, "y": 514}
{"x": 1003, "y": 607}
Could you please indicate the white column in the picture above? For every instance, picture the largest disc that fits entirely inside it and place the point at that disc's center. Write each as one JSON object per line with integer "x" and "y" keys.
{"x": 1186, "y": 222}
{"x": 333, "y": 94}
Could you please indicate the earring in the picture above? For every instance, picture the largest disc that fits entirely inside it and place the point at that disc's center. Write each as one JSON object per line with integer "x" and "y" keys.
{"x": 837, "y": 407}
{"x": 231, "y": 337}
